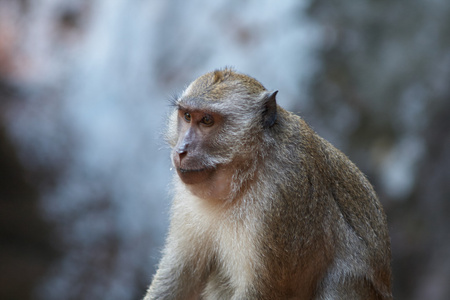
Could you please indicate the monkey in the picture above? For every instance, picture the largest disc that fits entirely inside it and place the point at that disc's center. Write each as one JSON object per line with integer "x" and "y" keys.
{"x": 263, "y": 207}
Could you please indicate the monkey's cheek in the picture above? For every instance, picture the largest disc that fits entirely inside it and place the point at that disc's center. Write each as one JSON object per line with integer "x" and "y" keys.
{"x": 194, "y": 177}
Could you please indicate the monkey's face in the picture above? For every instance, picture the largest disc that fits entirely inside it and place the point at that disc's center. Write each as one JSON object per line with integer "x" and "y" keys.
{"x": 192, "y": 155}
{"x": 217, "y": 129}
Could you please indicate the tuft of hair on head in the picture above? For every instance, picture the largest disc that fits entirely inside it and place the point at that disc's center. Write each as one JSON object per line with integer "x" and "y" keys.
{"x": 218, "y": 76}
{"x": 221, "y": 74}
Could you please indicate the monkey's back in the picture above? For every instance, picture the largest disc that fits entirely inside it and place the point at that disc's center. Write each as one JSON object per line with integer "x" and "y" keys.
{"x": 341, "y": 229}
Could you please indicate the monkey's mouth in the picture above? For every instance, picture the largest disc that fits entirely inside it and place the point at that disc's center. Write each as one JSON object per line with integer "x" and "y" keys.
{"x": 193, "y": 176}
{"x": 184, "y": 171}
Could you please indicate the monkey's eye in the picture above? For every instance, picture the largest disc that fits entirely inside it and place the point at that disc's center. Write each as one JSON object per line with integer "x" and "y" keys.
{"x": 207, "y": 120}
{"x": 187, "y": 117}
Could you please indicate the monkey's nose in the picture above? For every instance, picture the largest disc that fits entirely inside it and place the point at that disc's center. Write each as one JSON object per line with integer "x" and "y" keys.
{"x": 181, "y": 154}
{"x": 181, "y": 150}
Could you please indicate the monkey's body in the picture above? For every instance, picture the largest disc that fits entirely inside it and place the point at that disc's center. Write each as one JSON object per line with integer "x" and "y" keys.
{"x": 293, "y": 219}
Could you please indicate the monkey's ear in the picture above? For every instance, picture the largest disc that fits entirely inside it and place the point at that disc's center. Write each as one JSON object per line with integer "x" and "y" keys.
{"x": 270, "y": 110}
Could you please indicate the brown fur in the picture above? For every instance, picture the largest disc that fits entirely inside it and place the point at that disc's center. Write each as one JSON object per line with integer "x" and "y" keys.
{"x": 294, "y": 218}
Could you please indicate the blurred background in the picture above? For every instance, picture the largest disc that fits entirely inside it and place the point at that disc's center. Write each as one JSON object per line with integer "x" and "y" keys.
{"x": 84, "y": 89}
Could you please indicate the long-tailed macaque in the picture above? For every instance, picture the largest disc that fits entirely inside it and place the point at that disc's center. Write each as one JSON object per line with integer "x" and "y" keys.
{"x": 263, "y": 207}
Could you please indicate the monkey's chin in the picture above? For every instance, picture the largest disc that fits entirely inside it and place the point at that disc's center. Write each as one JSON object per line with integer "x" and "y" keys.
{"x": 194, "y": 176}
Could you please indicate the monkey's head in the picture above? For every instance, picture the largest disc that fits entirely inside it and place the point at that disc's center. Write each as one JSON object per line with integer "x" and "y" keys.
{"x": 219, "y": 122}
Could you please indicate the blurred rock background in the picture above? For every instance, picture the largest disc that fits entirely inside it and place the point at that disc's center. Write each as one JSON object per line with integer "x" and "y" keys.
{"x": 85, "y": 173}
